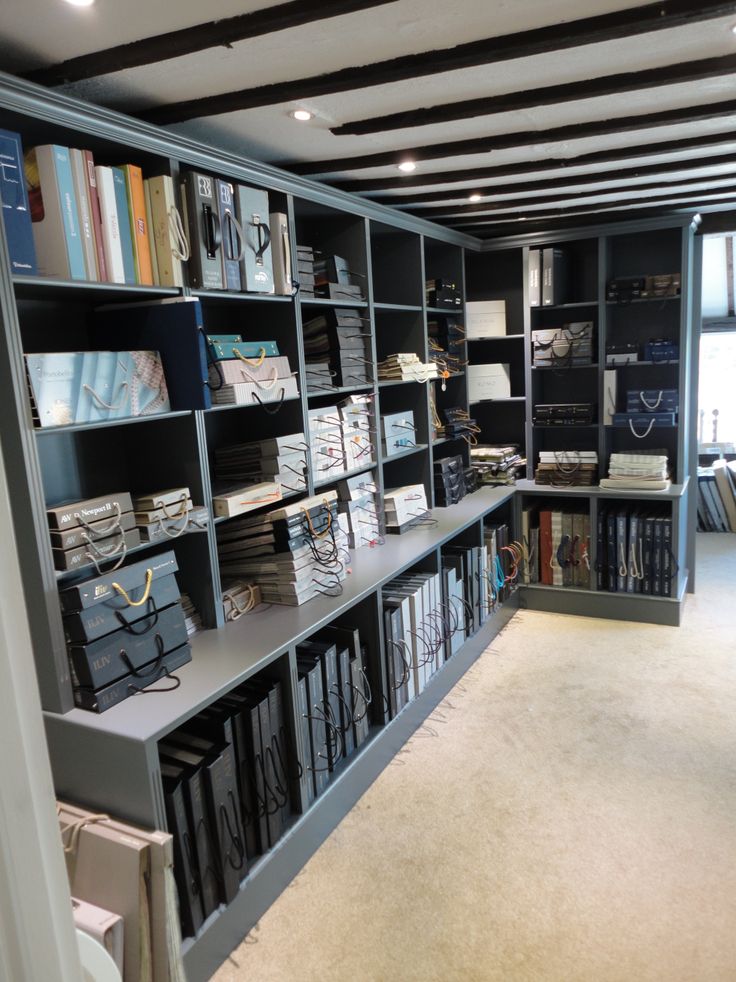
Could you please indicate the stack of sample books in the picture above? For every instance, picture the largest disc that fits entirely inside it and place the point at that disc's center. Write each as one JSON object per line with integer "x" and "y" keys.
{"x": 405, "y": 507}
{"x": 497, "y": 464}
{"x": 637, "y": 472}
{"x": 449, "y": 481}
{"x": 557, "y": 541}
{"x": 360, "y": 510}
{"x": 93, "y": 532}
{"x": 248, "y": 373}
{"x": 563, "y": 347}
{"x": 334, "y": 279}
{"x": 294, "y": 553}
{"x": 460, "y": 425}
{"x": 337, "y": 349}
{"x": 334, "y": 703}
{"x": 717, "y": 497}
{"x": 227, "y": 790}
{"x": 634, "y": 550}
{"x": 357, "y": 424}
{"x": 446, "y": 341}
{"x": 125, "y": 630}
{"x": 239, "y": 596}
{"x": 502, "y": 573}
{"x": 68, "y": 387}
{"x": 168, "y": 514}
{"x": 399, "y": 432}
{"x": 192, "y": 617}
{"x": 406, "y": 366}
{"x": 305, "y": 270}
{"x": 342, "y": 437}
{"x": 567, "y": 468}
{"x": 278, "y": 460}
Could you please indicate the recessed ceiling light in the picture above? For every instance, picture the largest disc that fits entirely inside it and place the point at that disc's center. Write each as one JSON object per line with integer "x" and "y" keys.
{"x": 407, "y": 166}
{"x": 474, "y": 197}
{"x": 80, "y": 3}
{"x": 303, "y": 115}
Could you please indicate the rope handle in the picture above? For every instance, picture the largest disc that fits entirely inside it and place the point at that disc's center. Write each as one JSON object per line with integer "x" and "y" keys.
{"x": 651, "y": 406}
{"x": 255, "y": 362}
{"x": 111, "y": 407}
{"x": 180, "y": 250}
{"x": 124, "y": 594}
{"x": 640, "y": 436}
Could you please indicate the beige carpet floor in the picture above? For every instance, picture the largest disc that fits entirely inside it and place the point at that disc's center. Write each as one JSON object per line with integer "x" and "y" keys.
{"x": 568, "y": 813}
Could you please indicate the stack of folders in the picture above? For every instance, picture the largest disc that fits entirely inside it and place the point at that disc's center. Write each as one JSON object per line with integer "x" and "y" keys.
{"x": 236, "y": 244}
{"x": 93, "y": 531}
{"x": 125, "y": 630}
{"x": 228, "y": 776}
{"x": 279, "y": 460}
{"x": 567, "y": 468}
{"x": 415, "y": 630}
{"x": 634, "y": 550}
{"x": 442, "y": 293}
{"x": 337, "y": 350}
{"x": 717, "y": 497}
{"x": 446, "y": 339}
{"x": 405, "y": 508}
{"x": 357, "y": 424}
{"x": 563, "y": 414}
{"x": 334, "y": 279}
{"x": 361, "y": 514}
{"x": 557, "y": 541}
{"x": 305, "y": 270}
{"x": 168, "y": 514}
{"x": 647, "y": 409}
{"x": 294, "y": 553}
{"x": 327, "y": 447}
{"x": 248, "y": 373}
{"x": 449, "y": 481}
{"x": 85, "y": 222}
{"x": 497, "y": 464}
{"x": 637, "y": 472}
{"x": 399, "y": 432}
{"x": 406, "y": 367}
{"x": 239, "y": 597}
{"x": 460, "y": 425}
{"x": 192, "y": 617}
{"x": 69, "y": 387}
{"x": 334, "y": 699}
{"x": 563, "y": 347}
{"x": 121, "y": 869}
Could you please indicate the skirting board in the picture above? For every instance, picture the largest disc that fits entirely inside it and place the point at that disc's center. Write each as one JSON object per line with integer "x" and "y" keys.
{"x": 609, "y": 606}
{"x": 227, "y": 927}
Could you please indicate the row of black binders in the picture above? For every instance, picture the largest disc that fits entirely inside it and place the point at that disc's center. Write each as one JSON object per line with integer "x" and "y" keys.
{"x": 334, "y": 699}
{"x": 634, "y": 550}
{"x": 125, "y": 630}
{"x": 227, "y": 777}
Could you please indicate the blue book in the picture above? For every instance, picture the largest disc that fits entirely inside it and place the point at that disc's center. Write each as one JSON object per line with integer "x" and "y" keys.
{"x": 16, "y": 209}
{"x": 70, "y": 213}
{"x": 126, "y": 239}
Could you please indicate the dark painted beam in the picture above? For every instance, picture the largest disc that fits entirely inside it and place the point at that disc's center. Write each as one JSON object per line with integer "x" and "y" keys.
{"x": 488, "y": 207}
{"x": 523, "y": 44}
{"x": 663, "y": 170}
{"x": 524, "y": 138}
{"x": 589, "y": 88}
{"x": 720, "y": 144}
{"x": 555, "y": 224}
{"x": 467, "y": 224}
{"x": 216, "y": 33}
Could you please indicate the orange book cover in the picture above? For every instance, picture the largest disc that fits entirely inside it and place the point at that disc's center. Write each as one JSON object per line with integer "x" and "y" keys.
{"x": 139, "y": 225}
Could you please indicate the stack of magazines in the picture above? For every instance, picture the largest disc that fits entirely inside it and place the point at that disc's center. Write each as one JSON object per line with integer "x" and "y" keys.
{"x": 497, "y": 464}
{"x": 637, "y": 472}
{"x": 406, "y": 366}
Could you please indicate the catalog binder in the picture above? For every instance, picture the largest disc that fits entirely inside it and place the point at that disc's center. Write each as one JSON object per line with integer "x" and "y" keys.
{"x": 281, "y": 254}
{"x": 16, "y": 210}
{"x": 111, "y": 615}
{"x": 185, "y": 868}
{"x": 256, "y": 269}
{"x": 231, "y": 244}
{"x": 202, "y": 220}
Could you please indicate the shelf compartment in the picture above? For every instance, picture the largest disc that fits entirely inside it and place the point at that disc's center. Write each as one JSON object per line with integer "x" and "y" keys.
{"x": 405, "y": 453}
{"x": 325, "y": 302}
{"x": 480, "y": 402}
{"x": 227, "y": 297}
{"x": 107, "y": 423}
{"x": 638, "y": 607}
{"x": 531, "y": 487}
{"x": 566, "y": 306}
{"x": 342, "y": 475}
{"x": 43, "y": 288}
{"x": 446, "y": 311}
{"x": 398, "y": 307}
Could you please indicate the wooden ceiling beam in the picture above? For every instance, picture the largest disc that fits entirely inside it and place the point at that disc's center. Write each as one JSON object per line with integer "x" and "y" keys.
{"x": 467, "y": 224}
{"x": 188, "y": 40}
{"x": 523, "y": 138}
{"x": 550, "y": 95}
{"x": 489, "y": 51}
{"x": 664, "y": 169}
{"x": 557, "y": 223}
{"x": 719, "y": 144}
{"x": 488, "y": 207}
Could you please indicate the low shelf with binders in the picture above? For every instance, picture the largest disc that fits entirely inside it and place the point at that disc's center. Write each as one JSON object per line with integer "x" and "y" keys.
{"x": 114, "y": 760}
{"x": 637, "y": 361}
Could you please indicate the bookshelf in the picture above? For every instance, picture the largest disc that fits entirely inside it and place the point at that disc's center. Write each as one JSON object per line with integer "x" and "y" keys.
{"x": 597, "y": 255}
{"x": 110, "y": 761}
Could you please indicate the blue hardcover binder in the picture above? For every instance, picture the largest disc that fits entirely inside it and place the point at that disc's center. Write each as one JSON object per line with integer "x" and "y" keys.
{"x": 175, "y": 329}
{"x": 231, "y": 244}
{"x": 126, "y": 240}
{"x": 16, "y": 209}
{"x": 70, "y": 213}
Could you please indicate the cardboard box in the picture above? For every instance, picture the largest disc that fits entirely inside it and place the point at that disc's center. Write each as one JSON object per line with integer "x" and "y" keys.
{"x": 488, "y": 382}
{"x": 485, "y": 319}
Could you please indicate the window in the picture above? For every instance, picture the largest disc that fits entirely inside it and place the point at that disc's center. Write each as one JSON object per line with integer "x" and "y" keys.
{"x": 717, "y": 379}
